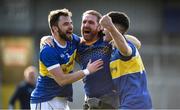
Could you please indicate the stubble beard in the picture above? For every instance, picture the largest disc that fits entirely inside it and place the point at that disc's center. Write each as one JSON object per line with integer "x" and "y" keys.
{"x": 63, "y": 35}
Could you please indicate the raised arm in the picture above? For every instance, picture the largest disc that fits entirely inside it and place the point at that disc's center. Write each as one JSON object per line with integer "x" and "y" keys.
{"x": 118, "y": 38}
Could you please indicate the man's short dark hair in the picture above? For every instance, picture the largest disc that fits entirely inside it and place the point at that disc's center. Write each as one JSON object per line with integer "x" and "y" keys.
{"x": 120, "y": 18}
{"x": 54, "y": 15}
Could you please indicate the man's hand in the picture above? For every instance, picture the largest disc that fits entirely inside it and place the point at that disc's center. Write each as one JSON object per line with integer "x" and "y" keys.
{"x": 134, "y": 40}
{"x": 94, "y": 66}
{"x": 106, "y": 22}
{"x": 46, "y": 40}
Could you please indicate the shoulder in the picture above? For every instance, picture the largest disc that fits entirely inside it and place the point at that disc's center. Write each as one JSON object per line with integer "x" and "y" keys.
{"x": 75, "y": 38}
{"x": 47, "y": 49}
{"x": 21, "y": 85}
{"x": 134, "y": 40}
{"x": 118, "y": 54}
{"x": 48, "y": 52}
{"x": 135, "y": 51}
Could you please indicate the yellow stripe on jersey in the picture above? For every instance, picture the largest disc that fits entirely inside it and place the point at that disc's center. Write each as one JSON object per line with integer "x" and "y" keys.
{"x": 120, "y": 68}
{"x": 68, "y": 67}
{"x": 43, "y": 70}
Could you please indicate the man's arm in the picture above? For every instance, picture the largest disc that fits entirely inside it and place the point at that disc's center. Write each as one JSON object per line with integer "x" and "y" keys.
{"x": 63, "y": 79}
{"x": 49, "y": 41}
{"x": 14, "y": 97}
{"x": 118, "y": 38}
{"x": 134, "y": 40}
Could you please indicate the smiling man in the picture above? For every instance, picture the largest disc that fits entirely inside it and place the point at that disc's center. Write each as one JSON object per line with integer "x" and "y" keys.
{"x": 54, "y": 84}
{"x": 99, "y": 88}
{"x": 127, "y": 69}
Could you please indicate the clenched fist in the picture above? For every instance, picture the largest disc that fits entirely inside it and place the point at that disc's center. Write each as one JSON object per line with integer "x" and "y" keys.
{"x": 106, "y": 22}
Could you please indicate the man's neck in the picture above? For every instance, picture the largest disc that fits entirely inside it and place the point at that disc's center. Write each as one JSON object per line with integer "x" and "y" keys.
{"x": 60, "y": 40}
{"x": 92, "y": 41}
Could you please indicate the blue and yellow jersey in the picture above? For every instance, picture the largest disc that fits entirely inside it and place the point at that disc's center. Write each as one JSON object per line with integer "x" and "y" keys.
{"x": 51, "y": 57}
{"x": 99, "y": 83}
{"x": 129, "y": 76}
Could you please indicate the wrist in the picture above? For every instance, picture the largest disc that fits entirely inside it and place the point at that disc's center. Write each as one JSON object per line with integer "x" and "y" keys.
{"x": 86, "y": 72}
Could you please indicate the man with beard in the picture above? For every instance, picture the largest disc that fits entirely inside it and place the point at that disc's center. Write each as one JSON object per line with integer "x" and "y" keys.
{"x": 126, "y": 65}
{"x": 54, "y": 87}
{"x": 99, "y": 88}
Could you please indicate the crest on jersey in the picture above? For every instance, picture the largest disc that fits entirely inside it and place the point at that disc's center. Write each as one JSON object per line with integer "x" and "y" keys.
{"x": 68, "y": 55}
{"x": 62, "y": 55}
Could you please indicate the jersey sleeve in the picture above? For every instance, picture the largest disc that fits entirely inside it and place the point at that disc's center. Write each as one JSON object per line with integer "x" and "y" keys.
{"x": 49, "y": 58}
{"x": 126, "y": 58}
{"x": 75, "y": 39}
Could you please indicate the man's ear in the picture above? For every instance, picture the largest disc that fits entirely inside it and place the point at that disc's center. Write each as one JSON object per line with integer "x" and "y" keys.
{"x": 54, "y": 28}
{"x": 100, "y": 28}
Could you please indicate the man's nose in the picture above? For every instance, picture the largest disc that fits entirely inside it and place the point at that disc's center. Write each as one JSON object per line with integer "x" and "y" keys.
{"x": 86, "y": 24}
{"x": 71, "y": 26}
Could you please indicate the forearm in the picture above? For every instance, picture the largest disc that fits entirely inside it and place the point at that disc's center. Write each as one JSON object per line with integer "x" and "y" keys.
{"x": 62, "y": 78}
{"x": 120, "y": 41}
{"x": 13, "y": 99}
{"x": 118, "y": 38}
{"x": 69, "y": 78}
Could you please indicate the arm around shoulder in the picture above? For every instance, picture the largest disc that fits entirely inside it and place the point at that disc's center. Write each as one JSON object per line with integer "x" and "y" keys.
{"x": 134, "y": 40}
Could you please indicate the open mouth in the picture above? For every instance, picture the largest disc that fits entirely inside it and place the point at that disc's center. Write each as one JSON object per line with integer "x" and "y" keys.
{"x": 69, "y": 32}
{"x": 86, "y": 32}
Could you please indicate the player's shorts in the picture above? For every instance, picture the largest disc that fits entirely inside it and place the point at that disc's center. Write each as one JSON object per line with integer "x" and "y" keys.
{"x": 57, "y": 103}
